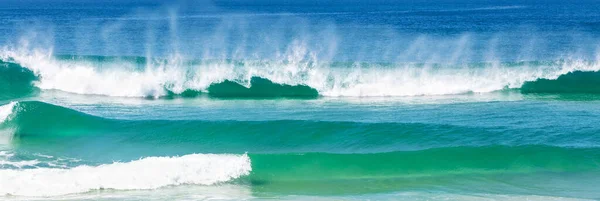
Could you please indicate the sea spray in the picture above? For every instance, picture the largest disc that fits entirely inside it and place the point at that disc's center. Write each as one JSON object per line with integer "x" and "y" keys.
{"x": 6, "y": 111}
{"x": 159, "y": 78}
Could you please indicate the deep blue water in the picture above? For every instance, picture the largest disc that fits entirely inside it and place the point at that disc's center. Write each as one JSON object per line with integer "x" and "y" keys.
{"x": 413, "y": 31}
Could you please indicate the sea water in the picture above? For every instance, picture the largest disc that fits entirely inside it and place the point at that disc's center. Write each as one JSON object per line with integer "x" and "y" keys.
{"x": 299, "y": 100}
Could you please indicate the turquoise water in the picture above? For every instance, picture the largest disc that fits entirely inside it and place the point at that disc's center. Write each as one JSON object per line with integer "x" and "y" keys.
{"x": 499, "y": 147}
{"x": 337, "y": 100}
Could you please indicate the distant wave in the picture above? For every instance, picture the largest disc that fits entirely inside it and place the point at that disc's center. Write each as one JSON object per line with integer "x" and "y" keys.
{"x": 284, "y": 14}
{"x": 142, "y": 77}
{"x": 490, "y": 8}
{"x": 499, "y": 8}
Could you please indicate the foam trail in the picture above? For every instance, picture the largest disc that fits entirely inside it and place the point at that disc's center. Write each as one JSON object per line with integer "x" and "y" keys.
{"x": 18, "y": 164}
{"x": 125, "y": 78}
{"x": 146, "y": 173}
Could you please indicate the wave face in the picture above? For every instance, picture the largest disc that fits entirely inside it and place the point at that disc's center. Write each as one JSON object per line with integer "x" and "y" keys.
{"x": 260, "y": 87}
{"x": 573, "y": 82}
{"x": 145, "y": 77}
{"x": 15, "y": 81}
{"x": 432, "y": 168}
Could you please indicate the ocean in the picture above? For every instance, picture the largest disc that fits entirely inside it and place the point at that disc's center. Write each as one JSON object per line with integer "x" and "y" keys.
{"x": 299, "y": 100}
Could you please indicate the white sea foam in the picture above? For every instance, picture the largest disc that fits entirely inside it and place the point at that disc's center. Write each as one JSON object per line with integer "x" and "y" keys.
{"x": 6, "y": 111}
{"x": 6, "y": 154}
{"x": 236, "y": 192}
{"x": 357, "y": 80}
{"x": 146, "y": 173}
{"x": 9, "y": 160}
{"x": 18, "y": 164}
{"x": 6, "y": 134}
{"x": 187, "y": 192}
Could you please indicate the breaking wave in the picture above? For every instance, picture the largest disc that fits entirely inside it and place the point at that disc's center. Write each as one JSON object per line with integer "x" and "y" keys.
{"x": 145, "y": 173}
{"x": 145, "y": 77}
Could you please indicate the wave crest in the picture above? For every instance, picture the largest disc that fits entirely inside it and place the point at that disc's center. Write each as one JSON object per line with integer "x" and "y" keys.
{"x": 6, "y": 111}
{"x": 145, "y": 77}
{"x": 146, "y": 173}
